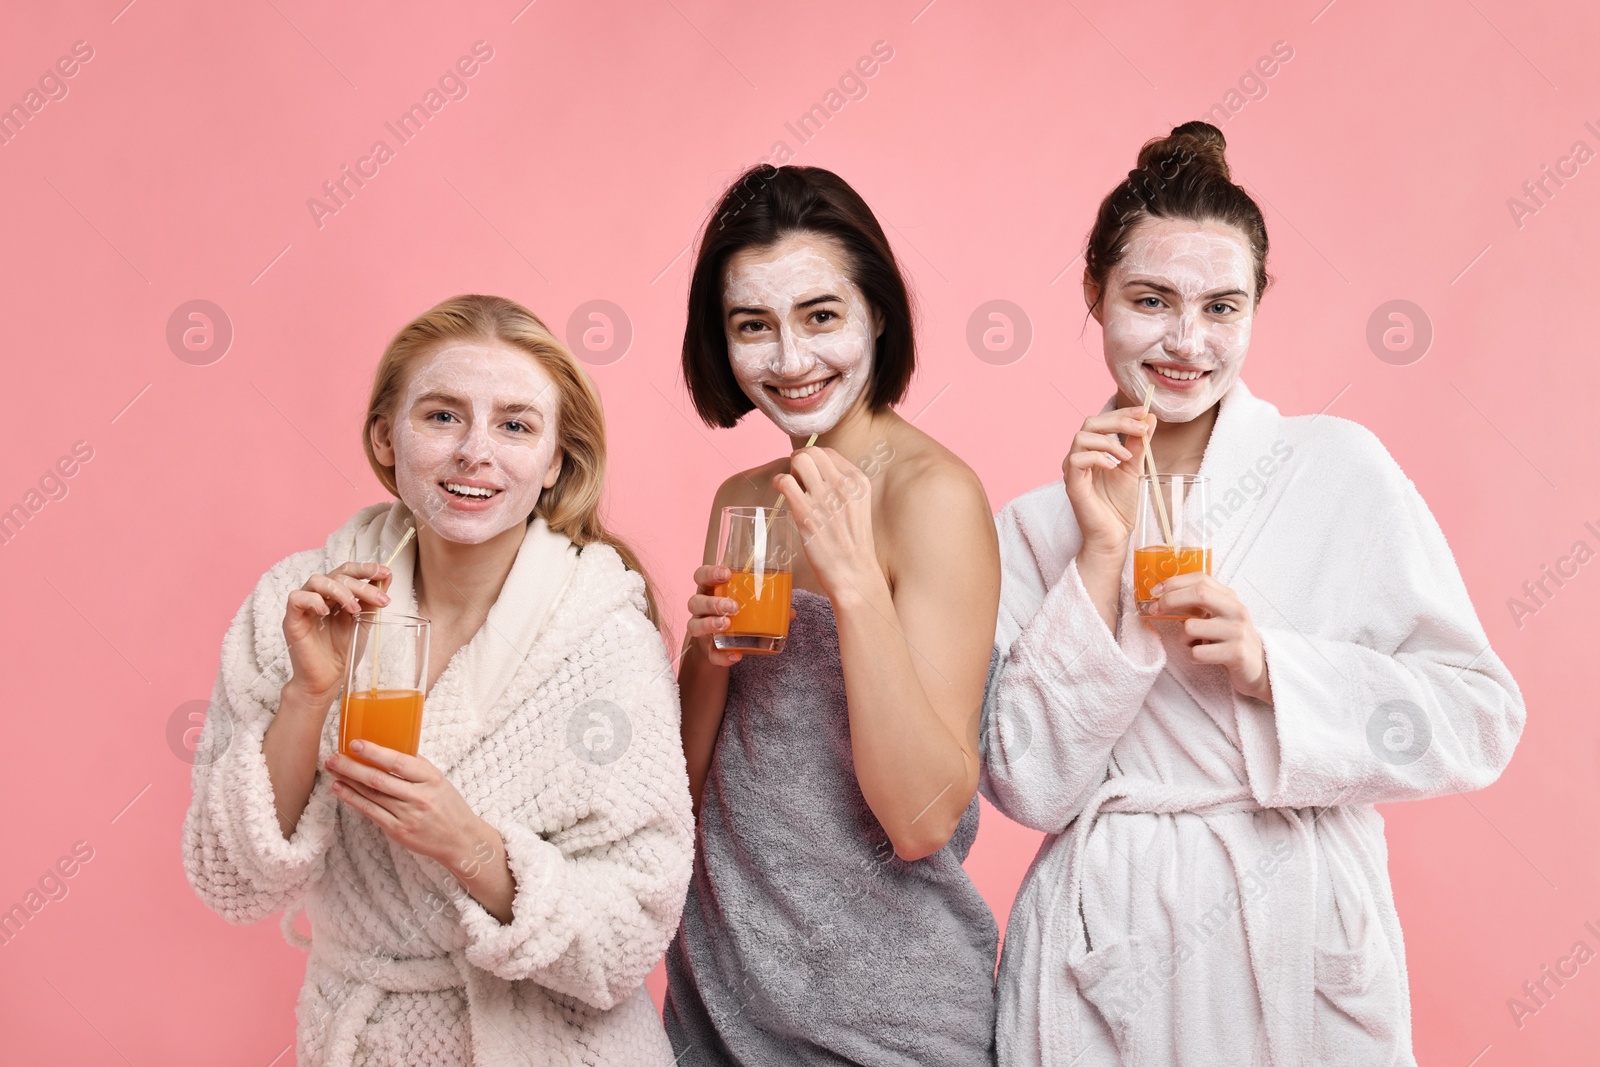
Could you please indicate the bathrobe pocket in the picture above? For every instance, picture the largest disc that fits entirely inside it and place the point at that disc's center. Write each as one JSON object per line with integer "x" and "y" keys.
{"x": 1356, "y": 973}
{"x": 1115, "y": 983}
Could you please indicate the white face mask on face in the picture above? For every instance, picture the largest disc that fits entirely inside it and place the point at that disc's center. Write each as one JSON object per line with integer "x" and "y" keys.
{"x": 474, "y": 440}
{"x": 800, "y": 333}
{"x": 1177, "y": 312}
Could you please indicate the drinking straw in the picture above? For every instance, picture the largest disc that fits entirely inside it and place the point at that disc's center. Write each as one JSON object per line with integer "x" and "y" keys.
{"x": 809, "y": 442}
{"x": 1155, "y": 478}
{"x": 377, "y": 621}
{"x": 773, "y": 514}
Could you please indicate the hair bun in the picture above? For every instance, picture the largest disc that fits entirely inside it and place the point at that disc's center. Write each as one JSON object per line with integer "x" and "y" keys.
{"x": 1183, "y": 175}
{"x": 1194, "y": 142}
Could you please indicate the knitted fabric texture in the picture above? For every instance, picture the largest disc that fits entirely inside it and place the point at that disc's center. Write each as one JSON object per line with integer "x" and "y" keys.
{"x": 577, "y": 764}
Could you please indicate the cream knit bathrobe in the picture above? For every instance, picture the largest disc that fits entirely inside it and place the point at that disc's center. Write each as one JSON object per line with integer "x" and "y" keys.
{"x": 1215, "y": 887}
{"x": 558, "y": 722}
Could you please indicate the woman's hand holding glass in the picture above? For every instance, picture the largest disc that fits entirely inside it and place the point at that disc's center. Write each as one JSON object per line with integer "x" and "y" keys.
{"x": 1220, "y": 632}
{"x": 710, "y": 614}
{"x": 409, "y": 799}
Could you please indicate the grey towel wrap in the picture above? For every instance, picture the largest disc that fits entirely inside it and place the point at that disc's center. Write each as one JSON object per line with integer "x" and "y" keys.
{"x": 805, "y": 939}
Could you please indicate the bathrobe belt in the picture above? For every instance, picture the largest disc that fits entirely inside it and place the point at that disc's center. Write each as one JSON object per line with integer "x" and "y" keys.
{"x": 1280, "y": 930}
{"x": 375, "y": 976}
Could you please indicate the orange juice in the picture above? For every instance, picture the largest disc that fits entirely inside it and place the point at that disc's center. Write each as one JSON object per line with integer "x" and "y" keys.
{"x": 1154, "y": 564}
{"x": 762, "y": 622}
{"x": 388, "y": 717}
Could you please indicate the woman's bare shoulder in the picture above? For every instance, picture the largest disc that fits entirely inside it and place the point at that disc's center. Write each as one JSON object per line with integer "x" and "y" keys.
{"x": 938, "y": 528}
{"x": 749, "y": 488}
{"x": 921, "y": 469}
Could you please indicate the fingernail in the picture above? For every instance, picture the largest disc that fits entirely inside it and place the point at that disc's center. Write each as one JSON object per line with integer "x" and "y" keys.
{"x": 357, "y": 746}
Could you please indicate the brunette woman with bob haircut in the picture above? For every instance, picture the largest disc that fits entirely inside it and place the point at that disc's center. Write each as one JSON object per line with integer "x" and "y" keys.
{"x": 829, "y": 919}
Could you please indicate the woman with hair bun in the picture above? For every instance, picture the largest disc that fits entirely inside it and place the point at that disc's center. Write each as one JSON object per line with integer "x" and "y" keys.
{"x": 1214, "y": 886}
{"x": 499, "y": 897}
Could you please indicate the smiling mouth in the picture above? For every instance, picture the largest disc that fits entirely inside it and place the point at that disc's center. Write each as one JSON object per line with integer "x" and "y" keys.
{"x": 801, "y": 392}
{"x": 1173, "y": 374}
{"x": 470, "y": 492}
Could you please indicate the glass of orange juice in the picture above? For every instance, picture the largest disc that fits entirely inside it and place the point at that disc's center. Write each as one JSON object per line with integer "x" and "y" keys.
{"x": 758, "y": 546}
{"x": 386, "y": 674}
{"x": 1170, "y": 535}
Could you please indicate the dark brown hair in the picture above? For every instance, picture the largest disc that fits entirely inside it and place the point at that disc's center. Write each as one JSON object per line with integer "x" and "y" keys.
{"x": 762, "y": 207}
{"x": 1183, "y": 175}
{"x": 572, "y": 505}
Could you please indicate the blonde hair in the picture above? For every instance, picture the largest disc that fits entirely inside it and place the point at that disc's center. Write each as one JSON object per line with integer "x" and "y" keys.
{"x": 572, "y": 505}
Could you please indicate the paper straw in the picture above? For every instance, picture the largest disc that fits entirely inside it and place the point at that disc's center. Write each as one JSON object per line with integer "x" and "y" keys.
{"x": 809, "y": 442}
{"x": 411, "y": 531}
{"x": 773, "y": 514}
{"x": 377, "y": 621}
{"x": 1155, "y": 478}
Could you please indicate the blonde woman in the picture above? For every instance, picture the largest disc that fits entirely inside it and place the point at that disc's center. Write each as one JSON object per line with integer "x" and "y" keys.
{"x": 500, "y": 896}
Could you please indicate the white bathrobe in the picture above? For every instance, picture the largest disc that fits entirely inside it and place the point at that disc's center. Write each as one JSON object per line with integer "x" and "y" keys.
{"x": 1214, "y": 890}
{"x": 558, "y": 722}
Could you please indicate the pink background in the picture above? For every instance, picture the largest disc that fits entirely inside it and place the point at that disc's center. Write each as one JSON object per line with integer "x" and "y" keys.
{"x": 578, "y": 168}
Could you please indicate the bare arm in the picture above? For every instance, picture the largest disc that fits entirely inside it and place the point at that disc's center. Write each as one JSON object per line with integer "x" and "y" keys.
{"x": 316, "y": 625}
{"x": 1101, "y": 573}
{"x": 703, "y": 669}
{"x": 290, "y": 747}
{"x": 247, "y": 853}
{"x": 703, "y": 694}
{"x": 915, "y": 659}
{"x": 486, "y": 874}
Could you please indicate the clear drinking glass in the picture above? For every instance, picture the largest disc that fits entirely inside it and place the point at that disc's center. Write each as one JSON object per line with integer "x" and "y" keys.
{"x": 1170, "y": 535}
{"x": 385, "y": 677}
{"x": 758, "y": 546}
